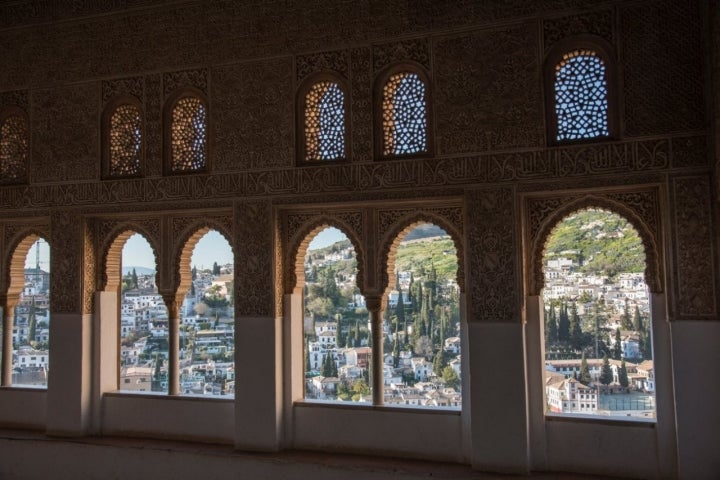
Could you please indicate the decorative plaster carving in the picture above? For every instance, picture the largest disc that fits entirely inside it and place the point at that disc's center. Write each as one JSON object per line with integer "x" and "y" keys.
{"x": 487, "y": 91}
{"x": 417, "y": 50}
{"x": 598, "y": 23}
{"x": 66, "y": 260}
{"x": 491, "y": 253}
{"x": 253, "y": 241}
{"x": 112, "y": 89}
{"x": 172, "y": 81}
{"x": 336, "y": 61}
{"x": 361, "y": 110}
{"x": 694, "y": 254}
{"x": 16, "y": 98}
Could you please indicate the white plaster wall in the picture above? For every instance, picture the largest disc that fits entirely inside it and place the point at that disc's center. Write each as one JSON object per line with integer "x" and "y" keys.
{"x": 386, "y": 431}
{"x": 162, "y": 416}
{"x": 696, "y": 357}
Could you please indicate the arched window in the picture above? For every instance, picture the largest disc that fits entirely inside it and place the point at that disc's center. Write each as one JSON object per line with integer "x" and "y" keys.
{"x": 123, "y": 125}
{"x": 403, "y": 114}
{"x": 186, "y": 135}
{"x": 13, "y": 148}
{"x": 580, "y": 93}
{"x": 322, "y": 108}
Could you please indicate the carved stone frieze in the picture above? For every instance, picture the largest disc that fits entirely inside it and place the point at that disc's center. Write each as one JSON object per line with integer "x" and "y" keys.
{"x": 694, "y": 255}
{"x": 15, "y": 98}
{"x": 690, "y": 152}
{"x": 487, "y": 92}
{"x": 89, "y": 271}
{"x": 254, "y": 255}
{"x": 134, "y": 86}
{"x": 598, "y": 23}
{"x": 252, "y": 116}
{"x": 336, "y": 61}
{"x": 641, "y": 207}
{"x": 582, "y": 163}
{"x": 492, "y": 256}
{"x": 173, "y": 81}
{"x": 417, "y": 50}
{"x": 65, "y": 134}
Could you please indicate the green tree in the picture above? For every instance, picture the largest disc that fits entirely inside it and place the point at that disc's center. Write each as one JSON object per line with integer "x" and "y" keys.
{"x": 617, "y": 350}
{"x": 450, "y": 377}
{"x": 584, "y": 371}
{"x": 606, "y": 376}
{"x": 625, "y": 321}
{"x": 637, "y": 320}
{"x": 134, "y": 278}
{"x": 215, "y": 300}
{"x": 563, "y": 324}
{"x": 216, "y": 269}
{"x": 551, "y": 327}
{"x": 623, "y": 375}
{"x": 32, "y": 323}
{"x": 576, "y": 334}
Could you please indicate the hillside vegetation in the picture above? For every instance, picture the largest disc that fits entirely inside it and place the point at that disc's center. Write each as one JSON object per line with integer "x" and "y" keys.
{"x": 599, "y": 242}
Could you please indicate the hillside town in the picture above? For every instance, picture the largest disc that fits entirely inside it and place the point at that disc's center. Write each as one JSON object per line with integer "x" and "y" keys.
{"x": 420, "y": 326}
{"x": 597, "y": 342}
{"x": 206, "y": 334}
{"x": 31, "y": 330}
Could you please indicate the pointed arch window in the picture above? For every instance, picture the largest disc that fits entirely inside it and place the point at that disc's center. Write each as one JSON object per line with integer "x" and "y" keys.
{"x": 404, "y": 115}
{"x": 14, "y": 147}
{"x": 581, "y": 93}
{"x": 323, "y": 116}
{"x": 186, "y": 135}
{"x": 123, "y": 124}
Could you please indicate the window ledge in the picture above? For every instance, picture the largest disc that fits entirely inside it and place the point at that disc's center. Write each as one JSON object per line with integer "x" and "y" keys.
{"x": 602, "y": 420}
{"x": 377, "y": 408}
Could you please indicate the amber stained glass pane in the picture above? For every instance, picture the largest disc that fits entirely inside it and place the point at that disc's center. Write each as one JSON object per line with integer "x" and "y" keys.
{"x": 189, "y": 140}
{"x": 324, "y": 122}
{"x": 581, "y": 101}
{"x": 13, "y": 148}
{"x": 125, "y": 141}
{"x": 404, "y": 115}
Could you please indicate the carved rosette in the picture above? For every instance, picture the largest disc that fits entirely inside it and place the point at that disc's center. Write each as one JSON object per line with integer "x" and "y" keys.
{"x": 393, "y": 224}
{"x": 694, "y": 255}
{"x": 492, "y": 250}
{"x": 639, "y": 207}
{"x": 299, "y": 227}
{"x": 253, "y": 240}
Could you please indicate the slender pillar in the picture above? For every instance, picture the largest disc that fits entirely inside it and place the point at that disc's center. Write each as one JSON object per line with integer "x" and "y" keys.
{"x": 374, "y": 305}
{"x": 8, "y": 307}
{"x": 172, "y": 303}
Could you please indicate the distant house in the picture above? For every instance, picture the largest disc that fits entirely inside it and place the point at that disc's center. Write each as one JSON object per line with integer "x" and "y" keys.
{"x": 570, "y": 396}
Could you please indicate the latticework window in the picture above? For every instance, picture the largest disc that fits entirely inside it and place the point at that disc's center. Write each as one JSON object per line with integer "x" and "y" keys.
{"x": 581, "y": 96}
{"x": 188, "y": 135}
{"x": 404, "y": 115}
{"x": 13, "y": 148}
{"x": 324, "y": 122}
{"x": 125, "y": 141}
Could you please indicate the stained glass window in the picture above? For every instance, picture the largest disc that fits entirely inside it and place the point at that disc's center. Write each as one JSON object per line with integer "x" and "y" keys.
{"x": 125, "y": 141}
{"x": 581, "y": 102}
{"x": 404, "y": 115}
{"x": 324, "y": 122}
{"x": 188, "y": 135}
{"x": 13, "y": 148}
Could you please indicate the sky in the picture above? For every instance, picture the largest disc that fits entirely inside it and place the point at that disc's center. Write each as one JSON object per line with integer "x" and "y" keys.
{"x": 211, "y": 248}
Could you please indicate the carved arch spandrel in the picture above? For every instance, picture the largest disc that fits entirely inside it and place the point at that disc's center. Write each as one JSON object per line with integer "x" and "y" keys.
{"x": 17, "y": 245}
{"x": 543, "y": 214}
{"x": 392, "y": 234}
{"x": 186, "y": 233}
{"x": 114, "y": 236}
{"x": 300, "y": 234}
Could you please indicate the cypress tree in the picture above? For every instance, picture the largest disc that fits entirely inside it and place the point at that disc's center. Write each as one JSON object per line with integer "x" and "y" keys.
{"x": 637, "y": 320}
{"x": 576, "y": 334}
{"x": 617, "y": 350}
{"x": 551, "y": 328}
{"x": 622, "y": 375}
{"x": 606, "y": 376}
{"x": 584, "y": 371}
{"x": 564, "y": 324}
